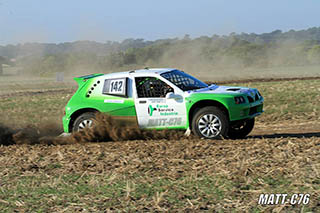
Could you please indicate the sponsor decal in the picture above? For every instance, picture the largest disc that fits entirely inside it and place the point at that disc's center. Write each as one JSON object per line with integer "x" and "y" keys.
{"x": 115, "y": 101}
{"x": 163, "y": 110}
{"x": 150, "y": 110}
{"x": 158, "y": 101}
{"x": 165, "y": 122}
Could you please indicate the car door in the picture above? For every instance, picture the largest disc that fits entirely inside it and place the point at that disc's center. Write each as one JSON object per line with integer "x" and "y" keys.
{"x": 153, "y": 109}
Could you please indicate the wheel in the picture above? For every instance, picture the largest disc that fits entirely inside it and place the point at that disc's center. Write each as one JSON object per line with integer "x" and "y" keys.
{"x": 210, "y": 123}
{"x": 85, "y": 120}
{"x": 241, "y": 130}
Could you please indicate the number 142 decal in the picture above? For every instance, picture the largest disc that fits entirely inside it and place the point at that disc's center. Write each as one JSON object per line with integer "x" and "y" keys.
{"x": 116, "y": 86}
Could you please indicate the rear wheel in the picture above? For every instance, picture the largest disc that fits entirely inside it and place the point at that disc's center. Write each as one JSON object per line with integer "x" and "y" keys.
{"x": 241, "y": 130}
{"x": 210, "y": 123}
{"x": 85, "y": 120}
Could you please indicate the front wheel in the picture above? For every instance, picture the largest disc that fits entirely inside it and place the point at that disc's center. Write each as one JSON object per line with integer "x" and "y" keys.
{"x": 241, "y": 130}
{"x": 210, "y": 123}
{"x": 85, "y": 120}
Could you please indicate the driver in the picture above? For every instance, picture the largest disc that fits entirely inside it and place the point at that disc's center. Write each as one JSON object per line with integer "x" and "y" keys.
{"x": 165, "y": 90}
{"x": 159, "y": 89}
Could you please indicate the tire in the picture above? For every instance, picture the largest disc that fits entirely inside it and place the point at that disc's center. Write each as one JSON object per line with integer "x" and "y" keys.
{"x": 240, "y": 131}
{"x": 210, "y": 123}
{"x": 85, "y": 120}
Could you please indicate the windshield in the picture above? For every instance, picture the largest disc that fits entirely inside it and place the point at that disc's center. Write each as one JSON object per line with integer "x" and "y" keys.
{"x": 183, "y": 81}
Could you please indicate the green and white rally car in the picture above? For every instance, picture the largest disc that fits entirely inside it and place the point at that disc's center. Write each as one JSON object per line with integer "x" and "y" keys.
{"x": 165, "y": 99}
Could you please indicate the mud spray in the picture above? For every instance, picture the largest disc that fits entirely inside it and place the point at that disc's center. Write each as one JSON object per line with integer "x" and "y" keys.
{"x": 106, "y": 129}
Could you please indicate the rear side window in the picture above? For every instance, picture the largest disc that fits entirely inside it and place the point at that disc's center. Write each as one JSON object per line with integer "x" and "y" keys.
{"x": 116, "y": 86}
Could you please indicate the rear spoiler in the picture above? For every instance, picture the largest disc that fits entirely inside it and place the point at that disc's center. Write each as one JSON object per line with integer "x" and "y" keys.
{"x": 82, "y": 79}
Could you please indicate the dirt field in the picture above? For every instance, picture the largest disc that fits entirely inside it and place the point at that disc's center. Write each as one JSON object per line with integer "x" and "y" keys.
{"x": 160, "y": 172}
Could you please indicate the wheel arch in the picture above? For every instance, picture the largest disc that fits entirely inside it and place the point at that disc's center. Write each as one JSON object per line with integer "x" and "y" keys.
{"x": 204, "y": 103}
{"x": 77, "y": 113}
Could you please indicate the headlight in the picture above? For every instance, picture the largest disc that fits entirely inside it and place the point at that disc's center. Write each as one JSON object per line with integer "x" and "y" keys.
{"x": 239, "y": 100}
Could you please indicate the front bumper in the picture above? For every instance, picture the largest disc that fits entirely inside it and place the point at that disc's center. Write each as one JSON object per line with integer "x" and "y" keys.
{"x": 245, "y": 111}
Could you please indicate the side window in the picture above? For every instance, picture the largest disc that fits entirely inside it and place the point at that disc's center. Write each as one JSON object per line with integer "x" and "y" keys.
{"x": 151, "y": 87}
{"x": 117, "y": 87}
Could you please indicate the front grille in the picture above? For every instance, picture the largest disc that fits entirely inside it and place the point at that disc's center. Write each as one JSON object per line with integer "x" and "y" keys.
{"x": 253, "y": 110}
{"x": 256, "y": 109}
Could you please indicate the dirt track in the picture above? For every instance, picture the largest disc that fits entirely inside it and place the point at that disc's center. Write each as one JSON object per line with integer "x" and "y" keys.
{"x": 124, "y": 152}
{"x": 279, "y": 158}
{"x": 110, "y": 129}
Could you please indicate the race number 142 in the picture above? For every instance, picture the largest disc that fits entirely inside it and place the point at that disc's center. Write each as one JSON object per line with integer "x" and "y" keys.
{"x": 116, "y": 86}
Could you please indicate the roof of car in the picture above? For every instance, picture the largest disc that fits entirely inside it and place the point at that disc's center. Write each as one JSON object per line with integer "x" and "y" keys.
{"x": 141, "y": 72}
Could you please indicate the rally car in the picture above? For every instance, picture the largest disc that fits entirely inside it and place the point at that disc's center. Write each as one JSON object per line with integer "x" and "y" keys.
{"x": 165, "y": 99}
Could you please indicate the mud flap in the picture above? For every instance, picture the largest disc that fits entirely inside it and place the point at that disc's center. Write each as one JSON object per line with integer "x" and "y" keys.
{"x": 64, "y": 134}
{"x": 187, "y": 132}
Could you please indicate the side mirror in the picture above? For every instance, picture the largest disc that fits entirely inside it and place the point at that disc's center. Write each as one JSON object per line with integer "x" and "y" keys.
{"x": 171, "y": 95}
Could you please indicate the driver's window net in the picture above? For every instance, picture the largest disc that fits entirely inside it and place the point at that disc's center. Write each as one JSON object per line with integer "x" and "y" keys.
{"x": 151, "y": 87}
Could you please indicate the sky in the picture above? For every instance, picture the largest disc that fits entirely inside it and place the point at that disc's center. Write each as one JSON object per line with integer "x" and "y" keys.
{"x": 102, "y": 20}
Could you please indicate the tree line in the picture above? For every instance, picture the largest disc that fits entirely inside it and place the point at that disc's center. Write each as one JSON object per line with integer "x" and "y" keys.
{"x": 292, "y": 48}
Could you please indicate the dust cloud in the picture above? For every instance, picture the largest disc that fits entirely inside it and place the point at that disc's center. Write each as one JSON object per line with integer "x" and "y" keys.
{"x": 106, "y": 129}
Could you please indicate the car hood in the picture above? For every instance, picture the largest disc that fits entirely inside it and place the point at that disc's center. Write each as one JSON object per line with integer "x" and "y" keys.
{"x": 230, "y": 90}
